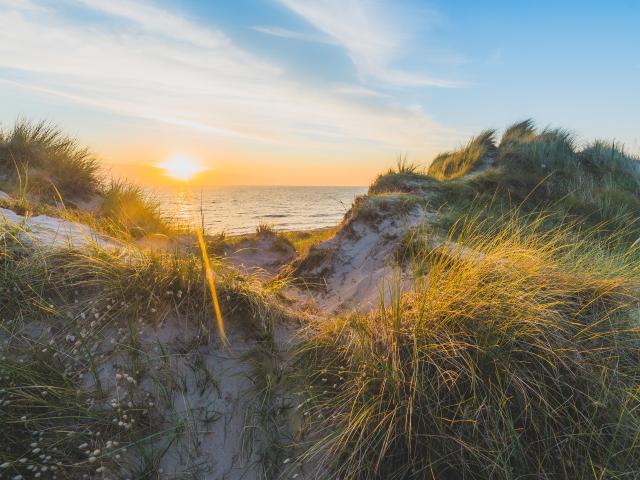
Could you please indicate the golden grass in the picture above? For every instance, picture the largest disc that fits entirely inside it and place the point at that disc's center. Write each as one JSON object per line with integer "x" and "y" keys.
{"x": 303, "y": 240}
{"x": 515, "y": 354}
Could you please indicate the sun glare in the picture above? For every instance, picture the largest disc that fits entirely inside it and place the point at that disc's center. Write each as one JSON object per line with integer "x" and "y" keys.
{"x": 181, "y": 167}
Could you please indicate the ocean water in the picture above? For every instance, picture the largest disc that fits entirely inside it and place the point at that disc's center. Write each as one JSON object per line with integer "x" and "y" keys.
{"x": 237, "y": 210}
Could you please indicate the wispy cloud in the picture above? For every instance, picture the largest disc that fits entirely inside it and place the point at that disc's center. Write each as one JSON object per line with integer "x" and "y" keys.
{"x": 164, "y": 67}
{"x": 357, "y": 91}
{"x": 369, "y": 34}
{"x": 19, "y": 4}
{"x": 293, "y": 35}
{"x": 149, "y": 18}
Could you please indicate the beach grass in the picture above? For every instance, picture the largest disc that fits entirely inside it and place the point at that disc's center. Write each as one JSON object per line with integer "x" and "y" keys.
{"x": 47, "y": 163}
{"x": 458, "y": 163}
{"x": 514, "y": 354}
{"x": 48, "y": 172}
{"x": 303, "y": 240}
{"x": 505, "y": 345}
{"x": 83, "y": 391}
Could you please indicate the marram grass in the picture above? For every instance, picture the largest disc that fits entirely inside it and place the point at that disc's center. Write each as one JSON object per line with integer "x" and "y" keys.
{"x": 65, "y": 314}
{"x": 516, "y": 354}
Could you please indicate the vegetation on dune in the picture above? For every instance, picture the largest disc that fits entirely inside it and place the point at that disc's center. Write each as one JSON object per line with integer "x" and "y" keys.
{"x": 49, "y": 172}
{"x": 515, "y": 351}
{"x": 455, "y": 164}
{"x": 46, "y": 162}
{"x": 304, "y": 240}
{"x": 126, "y": 208}
{"x": 515, "y": 354}
{"x": 64, "y": 412}
{"x": 533, "y": 170}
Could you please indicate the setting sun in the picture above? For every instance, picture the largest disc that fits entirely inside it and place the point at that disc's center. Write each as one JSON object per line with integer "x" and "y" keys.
{"x": 181, "y": 167}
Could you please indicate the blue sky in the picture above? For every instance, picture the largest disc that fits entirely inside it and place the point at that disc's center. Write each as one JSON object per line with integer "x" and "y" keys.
{"x": 315, "y": 91}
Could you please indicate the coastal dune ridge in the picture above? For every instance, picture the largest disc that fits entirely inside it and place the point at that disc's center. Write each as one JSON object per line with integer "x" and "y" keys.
{"x": 476, "y": 317}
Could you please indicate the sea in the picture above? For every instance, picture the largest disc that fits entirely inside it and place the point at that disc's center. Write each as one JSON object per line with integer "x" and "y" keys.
{"x": 238, "y": 210}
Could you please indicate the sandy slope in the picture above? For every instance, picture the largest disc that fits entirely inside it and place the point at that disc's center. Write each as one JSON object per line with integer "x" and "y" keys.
{"x": 54, "y": 232}
{"x": 220, "y": 419}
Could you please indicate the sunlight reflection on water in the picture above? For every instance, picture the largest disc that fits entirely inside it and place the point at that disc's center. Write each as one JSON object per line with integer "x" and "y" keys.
{"x": 236, "y": 210}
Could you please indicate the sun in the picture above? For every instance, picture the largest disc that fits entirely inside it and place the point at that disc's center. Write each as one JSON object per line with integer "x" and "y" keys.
{"x": 181, "y": 167}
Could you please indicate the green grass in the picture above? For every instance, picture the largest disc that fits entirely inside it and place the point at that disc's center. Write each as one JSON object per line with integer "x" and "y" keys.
{"x": 58, "y": 311}
{"x": 515, "y": 355}
{"x": 456, "y": 164}
{"x": 518, "y": 132}
{"x": 372, "y": 209}
{"x": 47, "y": 171}
{"x": 532, "y": 171}
{"x": 49, "y": 162}
{"x": 303, "y": 240}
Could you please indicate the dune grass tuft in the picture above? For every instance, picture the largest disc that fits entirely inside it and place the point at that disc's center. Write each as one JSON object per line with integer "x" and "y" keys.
{"x": 515, "y": 354}
{"x": 303, "y": 240}
{"x": 77, "y": 382}
{"x": 48, "y": 162}
{"x": 48, "y": 172}
{"x": 127, "y": 209}
{"x": 455, "y": 164}
{"x": 403, "y": 166}
{"x": 518, "y": 132}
